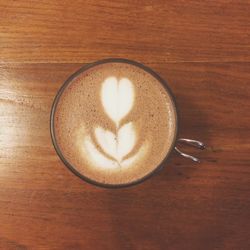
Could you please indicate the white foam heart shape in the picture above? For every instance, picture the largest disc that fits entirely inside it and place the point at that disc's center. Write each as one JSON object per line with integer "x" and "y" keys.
{"x": 117, "y": 98}
{"x": 117, "y": 146}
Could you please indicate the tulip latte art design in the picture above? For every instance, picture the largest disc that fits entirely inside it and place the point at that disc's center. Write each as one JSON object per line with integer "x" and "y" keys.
{"x": 117, "y": 99}
{"x": 114, "y": 123}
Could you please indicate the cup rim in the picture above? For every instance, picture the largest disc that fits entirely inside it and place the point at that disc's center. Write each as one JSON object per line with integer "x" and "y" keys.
{"x": 66, "y": 84}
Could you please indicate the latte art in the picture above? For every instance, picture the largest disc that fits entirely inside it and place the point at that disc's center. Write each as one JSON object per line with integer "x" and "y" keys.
{"x": 114, "y": 123}
{"x": 117, "y": 99}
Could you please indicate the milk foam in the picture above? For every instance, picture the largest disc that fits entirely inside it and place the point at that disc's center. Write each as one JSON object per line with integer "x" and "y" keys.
{"x": 115, "y": 123}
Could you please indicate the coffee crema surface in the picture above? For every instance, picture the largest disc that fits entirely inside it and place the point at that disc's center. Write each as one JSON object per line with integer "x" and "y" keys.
{"x": 114, "y": 123}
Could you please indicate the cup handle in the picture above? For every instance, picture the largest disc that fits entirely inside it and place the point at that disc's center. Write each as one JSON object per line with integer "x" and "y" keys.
{"x": 194, "y": 143}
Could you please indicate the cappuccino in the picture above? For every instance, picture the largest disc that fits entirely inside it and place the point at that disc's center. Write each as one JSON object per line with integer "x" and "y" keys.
{"x": 114, "y": 123}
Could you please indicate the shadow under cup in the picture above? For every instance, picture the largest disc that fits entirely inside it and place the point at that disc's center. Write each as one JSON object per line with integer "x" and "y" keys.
{"x": 116, "y": 134}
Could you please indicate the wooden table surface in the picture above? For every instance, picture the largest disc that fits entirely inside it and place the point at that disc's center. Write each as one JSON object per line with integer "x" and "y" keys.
{"x": 203, "y": 49}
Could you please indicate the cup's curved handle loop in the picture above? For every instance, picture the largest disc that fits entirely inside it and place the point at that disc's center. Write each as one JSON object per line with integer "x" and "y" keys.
{"x": 194, "y": 143}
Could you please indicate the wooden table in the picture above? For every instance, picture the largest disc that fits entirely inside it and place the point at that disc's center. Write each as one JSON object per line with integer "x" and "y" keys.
{"x": 203, "y": 49}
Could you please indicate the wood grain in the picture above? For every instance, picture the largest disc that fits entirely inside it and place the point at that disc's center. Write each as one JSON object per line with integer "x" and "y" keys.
{"x": 150, "y": 31}
{"x": 186, "y": 206}
{"x": 202, "y": 49}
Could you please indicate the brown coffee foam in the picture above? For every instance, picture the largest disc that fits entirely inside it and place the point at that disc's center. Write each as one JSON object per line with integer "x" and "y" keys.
{"x": 80, "y": 110}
